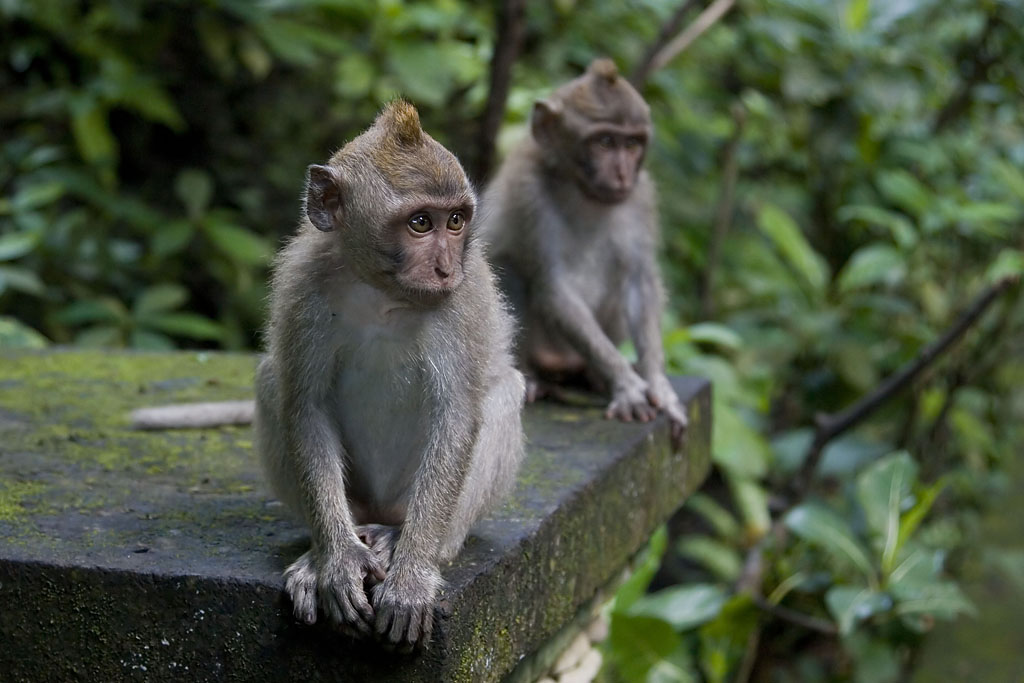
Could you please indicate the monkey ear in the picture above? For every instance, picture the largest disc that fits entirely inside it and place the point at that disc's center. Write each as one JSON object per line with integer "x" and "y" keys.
{"x": 544, "y": 119}
{"x": 323, "y": 196}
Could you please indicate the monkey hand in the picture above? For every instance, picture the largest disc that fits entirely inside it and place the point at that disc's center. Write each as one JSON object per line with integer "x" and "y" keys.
{"x": 661, "y": 395}
{"x": 630, "y": 400}
{"x": 404, "y": 604}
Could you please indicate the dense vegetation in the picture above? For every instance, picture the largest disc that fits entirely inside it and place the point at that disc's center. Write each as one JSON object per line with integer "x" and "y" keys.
{"x": 839, "y": 180}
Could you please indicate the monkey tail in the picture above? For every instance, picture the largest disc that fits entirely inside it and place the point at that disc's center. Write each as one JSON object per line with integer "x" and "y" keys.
{"x": 194, "y": 415}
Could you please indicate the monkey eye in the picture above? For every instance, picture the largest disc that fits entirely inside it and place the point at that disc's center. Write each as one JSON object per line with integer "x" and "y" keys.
{"x": 606, "y": 141}
{"x": 421, "y": 223}
{"x": 456, "y": 221}
{"x": 633, "y": 143}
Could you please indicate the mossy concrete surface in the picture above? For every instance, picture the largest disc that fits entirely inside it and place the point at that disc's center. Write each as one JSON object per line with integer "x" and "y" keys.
{"x": 157, "y": 555}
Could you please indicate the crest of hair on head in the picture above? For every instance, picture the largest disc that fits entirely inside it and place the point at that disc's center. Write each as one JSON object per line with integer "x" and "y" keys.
{"x": 403, "y": 120}
{"x": 604, "y": 68}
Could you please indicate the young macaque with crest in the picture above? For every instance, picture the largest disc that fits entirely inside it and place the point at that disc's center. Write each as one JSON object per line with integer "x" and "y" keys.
{"x": 572, "y": 228}
{"x": 388, "y": 405}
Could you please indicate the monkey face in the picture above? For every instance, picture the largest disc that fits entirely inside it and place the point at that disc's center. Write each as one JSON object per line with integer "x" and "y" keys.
{"x": 431, "y": 242}
{"x": 609, "y": 162}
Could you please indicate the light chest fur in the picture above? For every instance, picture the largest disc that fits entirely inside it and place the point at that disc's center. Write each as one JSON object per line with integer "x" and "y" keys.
{"x": 379, "y": 390}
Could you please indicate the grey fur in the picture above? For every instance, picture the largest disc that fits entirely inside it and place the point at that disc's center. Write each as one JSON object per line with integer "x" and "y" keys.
{"x": 580, "y": 274}
{"x": 375, "y": 409}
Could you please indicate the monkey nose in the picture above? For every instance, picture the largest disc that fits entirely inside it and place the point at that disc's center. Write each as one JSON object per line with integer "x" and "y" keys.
{"x": 442, "y": 273}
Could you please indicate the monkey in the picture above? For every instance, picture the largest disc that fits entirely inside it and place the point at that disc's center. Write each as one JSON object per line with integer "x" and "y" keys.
{"x": 571, "y": 226}
{"x": 388, "y": 405}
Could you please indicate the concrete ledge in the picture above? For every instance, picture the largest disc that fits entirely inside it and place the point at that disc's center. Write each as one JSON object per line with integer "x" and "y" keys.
{"x": 157, "y": 556}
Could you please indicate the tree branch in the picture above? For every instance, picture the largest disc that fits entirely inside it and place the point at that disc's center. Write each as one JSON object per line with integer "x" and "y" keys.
{"x": 675, "y": 22}
{"x": 510, "y": 28}
{"x": 674, "y": 47}
{"x": 829, "y": 427}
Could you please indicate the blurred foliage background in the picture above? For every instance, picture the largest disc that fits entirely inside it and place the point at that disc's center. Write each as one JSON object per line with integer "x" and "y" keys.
{"x": 839, "y": 179}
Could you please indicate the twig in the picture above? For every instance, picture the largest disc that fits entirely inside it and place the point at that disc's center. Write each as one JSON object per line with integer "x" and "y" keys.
{"x": 702, "y": 23}
{"x": 974, "y": 366}
{"x": 828, "y": 427}
{"x": 796, "y": 617}
{"x": 510, "y": 28}
{"x": 723, "y": 213}
{"x": 643, "y": 69}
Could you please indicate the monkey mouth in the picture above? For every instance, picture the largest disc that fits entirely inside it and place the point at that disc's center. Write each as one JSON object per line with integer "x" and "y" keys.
{"x": 429, "y": 295}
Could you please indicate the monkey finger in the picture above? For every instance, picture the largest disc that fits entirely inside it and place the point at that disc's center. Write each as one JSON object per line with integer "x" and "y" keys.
{"x": 385, "y": 616}
{"x": 399, "y": 626}
{"x": 304, "y": 604}
{"x": 428, "y": 628}
{"x": 362, "y": 607}
{"x": 676, "y": 432}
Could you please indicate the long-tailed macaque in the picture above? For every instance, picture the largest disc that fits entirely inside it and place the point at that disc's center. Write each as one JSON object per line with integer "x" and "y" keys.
{"x": 388, "y": 404}
{"x": 572, "y": 225}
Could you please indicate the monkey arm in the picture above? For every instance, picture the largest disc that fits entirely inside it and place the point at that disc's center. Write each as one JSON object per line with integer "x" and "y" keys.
{"x": 643, "y": 299}
{"x": 643, "y": 312}
{"x": 564, "y": 310}
{"x": 405, "y": 601}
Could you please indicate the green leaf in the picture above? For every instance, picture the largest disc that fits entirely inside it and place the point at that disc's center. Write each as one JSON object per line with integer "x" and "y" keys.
{"x": 194, "y": 188}
{"x": 92, "y": 134}
{"x": 91, "y": 311}
{"x": 682, "y": 606}
{"x": 720, "y": 559}
{"x": 237, "y": 243}
{"x": 16, "y": 335}
{"x": 913, "y": 517}
{"x": 870, "y": 265}
{"x": 354, "y": 75}
{"x": 901, "y": 229}
{"x": 905, "y": 191}
{"x": 172, "y": 238}
{"x": 881, "y": 491}
{"x": 637, "y": 644}
{"x": 16, "y": 245}
{"x": 1008, "y": 263}
{"x": 644, "y": 570}
{"x": 723, "y": 641}
{"x": 36, "y": 195}
{"x": 190, "y": 325}
{"x": 255, "y": 58}
{"x": 715, "y": 334}
{"x": 21, "y": 280}
{"x": 941, "y": 599}
{"x": 150, "y": 341}
{"x": 877, "y": 659}
{"x": 102, "y": 336}
{"x": 677, "y": 667}
{"x": 857, "y": 14}
{"x": 752, "y": 501}
{"x": 160, "y": 298}
{"x": 720, "y": 519}
{"x": 849, "y": 605}
{"x": 821, "y": 527}
{"x": 737, "y": 447}
{"x": 787, "y": 238}
{"x": 1011, "y": 176}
